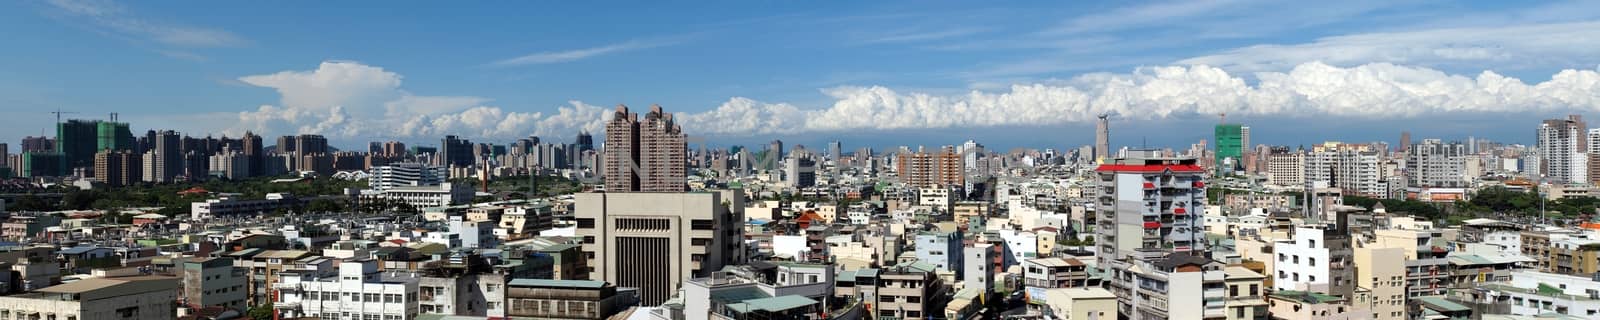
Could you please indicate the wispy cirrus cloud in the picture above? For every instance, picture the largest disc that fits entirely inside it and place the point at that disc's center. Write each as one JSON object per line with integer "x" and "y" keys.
{"x": 548, "y": 57}
{"x": 1552, "y": 44}
{"x": 115, "y": 19}
{"x": 927, "y": 35}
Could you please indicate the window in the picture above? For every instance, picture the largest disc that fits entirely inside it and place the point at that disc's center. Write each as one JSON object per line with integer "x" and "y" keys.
{"x": 1311, "y": 278}
{"x": 1312, "y": 261}
{"x": 1313, "y": 242}
{"x": 1296, "y": 276}
{"x": 1254, "y": 290}
{"x": 585, "y": 223}
{"x": 913, "y": 299}
{"x": 701, "y": 224}
{"x": 491, "y": 287}
{"x": 886, "y": 299}
{"x": 1233, "y": 290}
{"x": 588, "y": 239}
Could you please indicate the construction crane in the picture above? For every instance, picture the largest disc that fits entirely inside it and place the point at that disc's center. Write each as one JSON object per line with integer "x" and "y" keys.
{"x": 58, "y": 114}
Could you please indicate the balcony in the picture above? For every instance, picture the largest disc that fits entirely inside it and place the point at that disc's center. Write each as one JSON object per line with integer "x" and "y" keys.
{"x": 1152, "y": 224}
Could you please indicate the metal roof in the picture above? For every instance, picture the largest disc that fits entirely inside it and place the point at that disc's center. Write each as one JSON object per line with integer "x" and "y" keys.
{"x": 587, "y": 284}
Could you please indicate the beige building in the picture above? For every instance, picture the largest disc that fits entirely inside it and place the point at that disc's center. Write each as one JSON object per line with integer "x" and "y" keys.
{"x": 1088, "y": 303}
{"x": 645, "y": 156}
{"x": 144, "y": 297}
{"x": 1378, "y": 272}
{"x": 655, "y": 241}
{"x": 1246, "y": 293}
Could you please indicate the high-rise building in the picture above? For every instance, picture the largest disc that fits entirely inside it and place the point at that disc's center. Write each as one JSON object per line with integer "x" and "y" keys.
{"x": 77, "y": 140}
{"x": 799, "y": 171}
{"x": 455, "y": 152}
{"x": 37, "y": 144}
{"x": 1148, "y": 202}
{"x": 165, "y": 159}
{"x": 394, "y": 148}
{"x": 113, "y": 136}
{"x": 1244, "y": 138}
{"x": 285, "y": 145}
{"x": 926, "y": 169}
{"x": 117, "y": 168}
{"x": 1563, "y": 149}
{"x": 645, "y": 156}
{"x": 253, "y": 152}
{"x": 1102, "y": 138}
{"x": 1286, "y": 168}
{"x": 230, "y": 165}
{"x": 1434, "y": 163}
{"x": 835, "y": 150}
{"x": 310, "y": 144}
{"x": 41, "y": 164}
{"x": 584, "y": 141}
{"x": 1405, "y": 141}
{"x": 1230, "y": 147}
{"x": 655, "y": 241}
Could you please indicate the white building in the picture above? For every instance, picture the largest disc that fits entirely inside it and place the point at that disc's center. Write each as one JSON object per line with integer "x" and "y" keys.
{"x": 409, "y": 174}
{"x": 1286, "y": 169}
{"x": 228, "y": 206}
{"x": 1563, "y": 149}
{"x": 1433, "y": 163}
{"x": 654, "y": 241}
{"x": 1527, "y": 294}
{"x": 1302, "y": 262}
{"x": 445, "y": 194}
{"x": 360, "y": 292}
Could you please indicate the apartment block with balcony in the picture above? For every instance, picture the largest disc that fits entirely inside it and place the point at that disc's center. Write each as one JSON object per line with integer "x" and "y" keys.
{"x": 1055, "y": 272}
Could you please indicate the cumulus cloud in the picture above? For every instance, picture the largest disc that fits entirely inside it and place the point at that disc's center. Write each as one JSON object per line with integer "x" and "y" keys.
{"x": 350, "y": 100}
{"x": 1312, "y": 89}
{"x": 1506, "y": 46}
{"x": 346, "y": 99}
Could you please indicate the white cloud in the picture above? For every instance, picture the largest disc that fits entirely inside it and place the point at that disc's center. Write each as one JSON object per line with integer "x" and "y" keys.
{"x": 112, "y": 18}
{"x": 1308, "y": 90}
{"x": 924, "y": 35}
{"x": 1551, "y": 44}
{"x": 344, "y": 99}
{"x": 579, "y": 54}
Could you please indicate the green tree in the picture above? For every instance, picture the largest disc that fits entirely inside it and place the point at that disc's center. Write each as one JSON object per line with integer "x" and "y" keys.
{"x": 260, "y": 312}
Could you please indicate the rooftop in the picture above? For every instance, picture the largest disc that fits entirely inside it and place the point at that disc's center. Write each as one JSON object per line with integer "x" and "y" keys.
{"x": 586, "y": 284}
{"x": 1306, "y": 297}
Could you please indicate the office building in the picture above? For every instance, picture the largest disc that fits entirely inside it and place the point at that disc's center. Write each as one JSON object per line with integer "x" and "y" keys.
{"x": 655, "y": 241}
{"x": 118, "y": 168}
{"x": 253, "y": 152}
{"x": 40, "y": 164}
{"x": 645, "y": 156}
{"x": 1563, "y": 149}
{"x": 77, "y": 141}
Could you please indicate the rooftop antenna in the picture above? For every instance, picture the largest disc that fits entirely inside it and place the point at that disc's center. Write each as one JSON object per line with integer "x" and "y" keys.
{"x": 1224, "y": 116}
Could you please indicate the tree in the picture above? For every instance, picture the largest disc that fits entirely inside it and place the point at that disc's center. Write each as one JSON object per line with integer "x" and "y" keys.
{"x": 260, "y": 312}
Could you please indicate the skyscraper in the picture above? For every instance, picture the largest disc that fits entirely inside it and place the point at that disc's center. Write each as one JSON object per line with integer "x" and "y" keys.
{"x": 1405, "y": 141}
{"x": 455, "y": 152}
{"x": 585, "y": 142}
{"x": 1230, "y": 147}
{"x": 165, "y": 158}
{"x": 1563, "y": 149}
{"x": 1102, "y": 138}
{"x": 645, "y": 156}
{"x": 113, "y": 136}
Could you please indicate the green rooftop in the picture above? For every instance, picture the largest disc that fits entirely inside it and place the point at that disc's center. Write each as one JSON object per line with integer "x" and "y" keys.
{"x": 773, "y": 304}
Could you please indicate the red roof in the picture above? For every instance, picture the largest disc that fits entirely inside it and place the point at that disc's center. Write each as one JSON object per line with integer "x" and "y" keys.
{"x": 1148, "y": 168}
{"x": 193, "y": 191}
{"x": 1152, "y": 225}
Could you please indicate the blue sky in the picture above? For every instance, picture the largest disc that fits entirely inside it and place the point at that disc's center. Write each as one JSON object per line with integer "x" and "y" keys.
{"x": 879, "y": 72}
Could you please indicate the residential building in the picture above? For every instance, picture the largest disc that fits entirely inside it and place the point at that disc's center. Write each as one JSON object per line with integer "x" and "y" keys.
{"x": 1378, "y": 274}
{"x": 564, "y": 299}
{"x": 655, "y": 241}
{"x": 360, "y": 291}
{"x": 925, "y": 169}
{"x": 1055, "y": 272}
{"x": 645, "y": 156}
{"x": 444, "y": 194}
{"x": 1149, "y": 202}
{"x": 1230, "y": 147}
{"x": 1170, "y": 286}
{"x": 117, "y": 168}
{"x": 1563, "y": 149}
{"x": 1286, "y": 168}
{"x": 1433, "y": 163}
{"x": 1427, "y": 269}
{"x": 1305, "y": 305}
{"x": 1246, "y": 293}
{"x": 1091, "y": 303}
{"x": 1531, "y": 293}
{"x": 1316, "y": 259}
{"x": 217, "y": 282}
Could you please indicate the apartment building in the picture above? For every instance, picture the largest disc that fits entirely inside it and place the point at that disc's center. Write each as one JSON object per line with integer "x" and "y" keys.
{"x": 1246, "y": 293}
{"x": 1316, "y": 259}
{"x": 215, "y": 282}
{"x": 1177, "y": 286}
{"x": 1384, "y": 280}
{"x": 564, "y": 299}
{"x": 1055, "y": 272}
{"x": 360, "y": 291}
{"x": 1427, "y": 268}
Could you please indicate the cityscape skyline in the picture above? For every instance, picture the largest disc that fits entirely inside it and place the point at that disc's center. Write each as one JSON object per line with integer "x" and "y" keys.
{"x": 1353, "y": 62}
